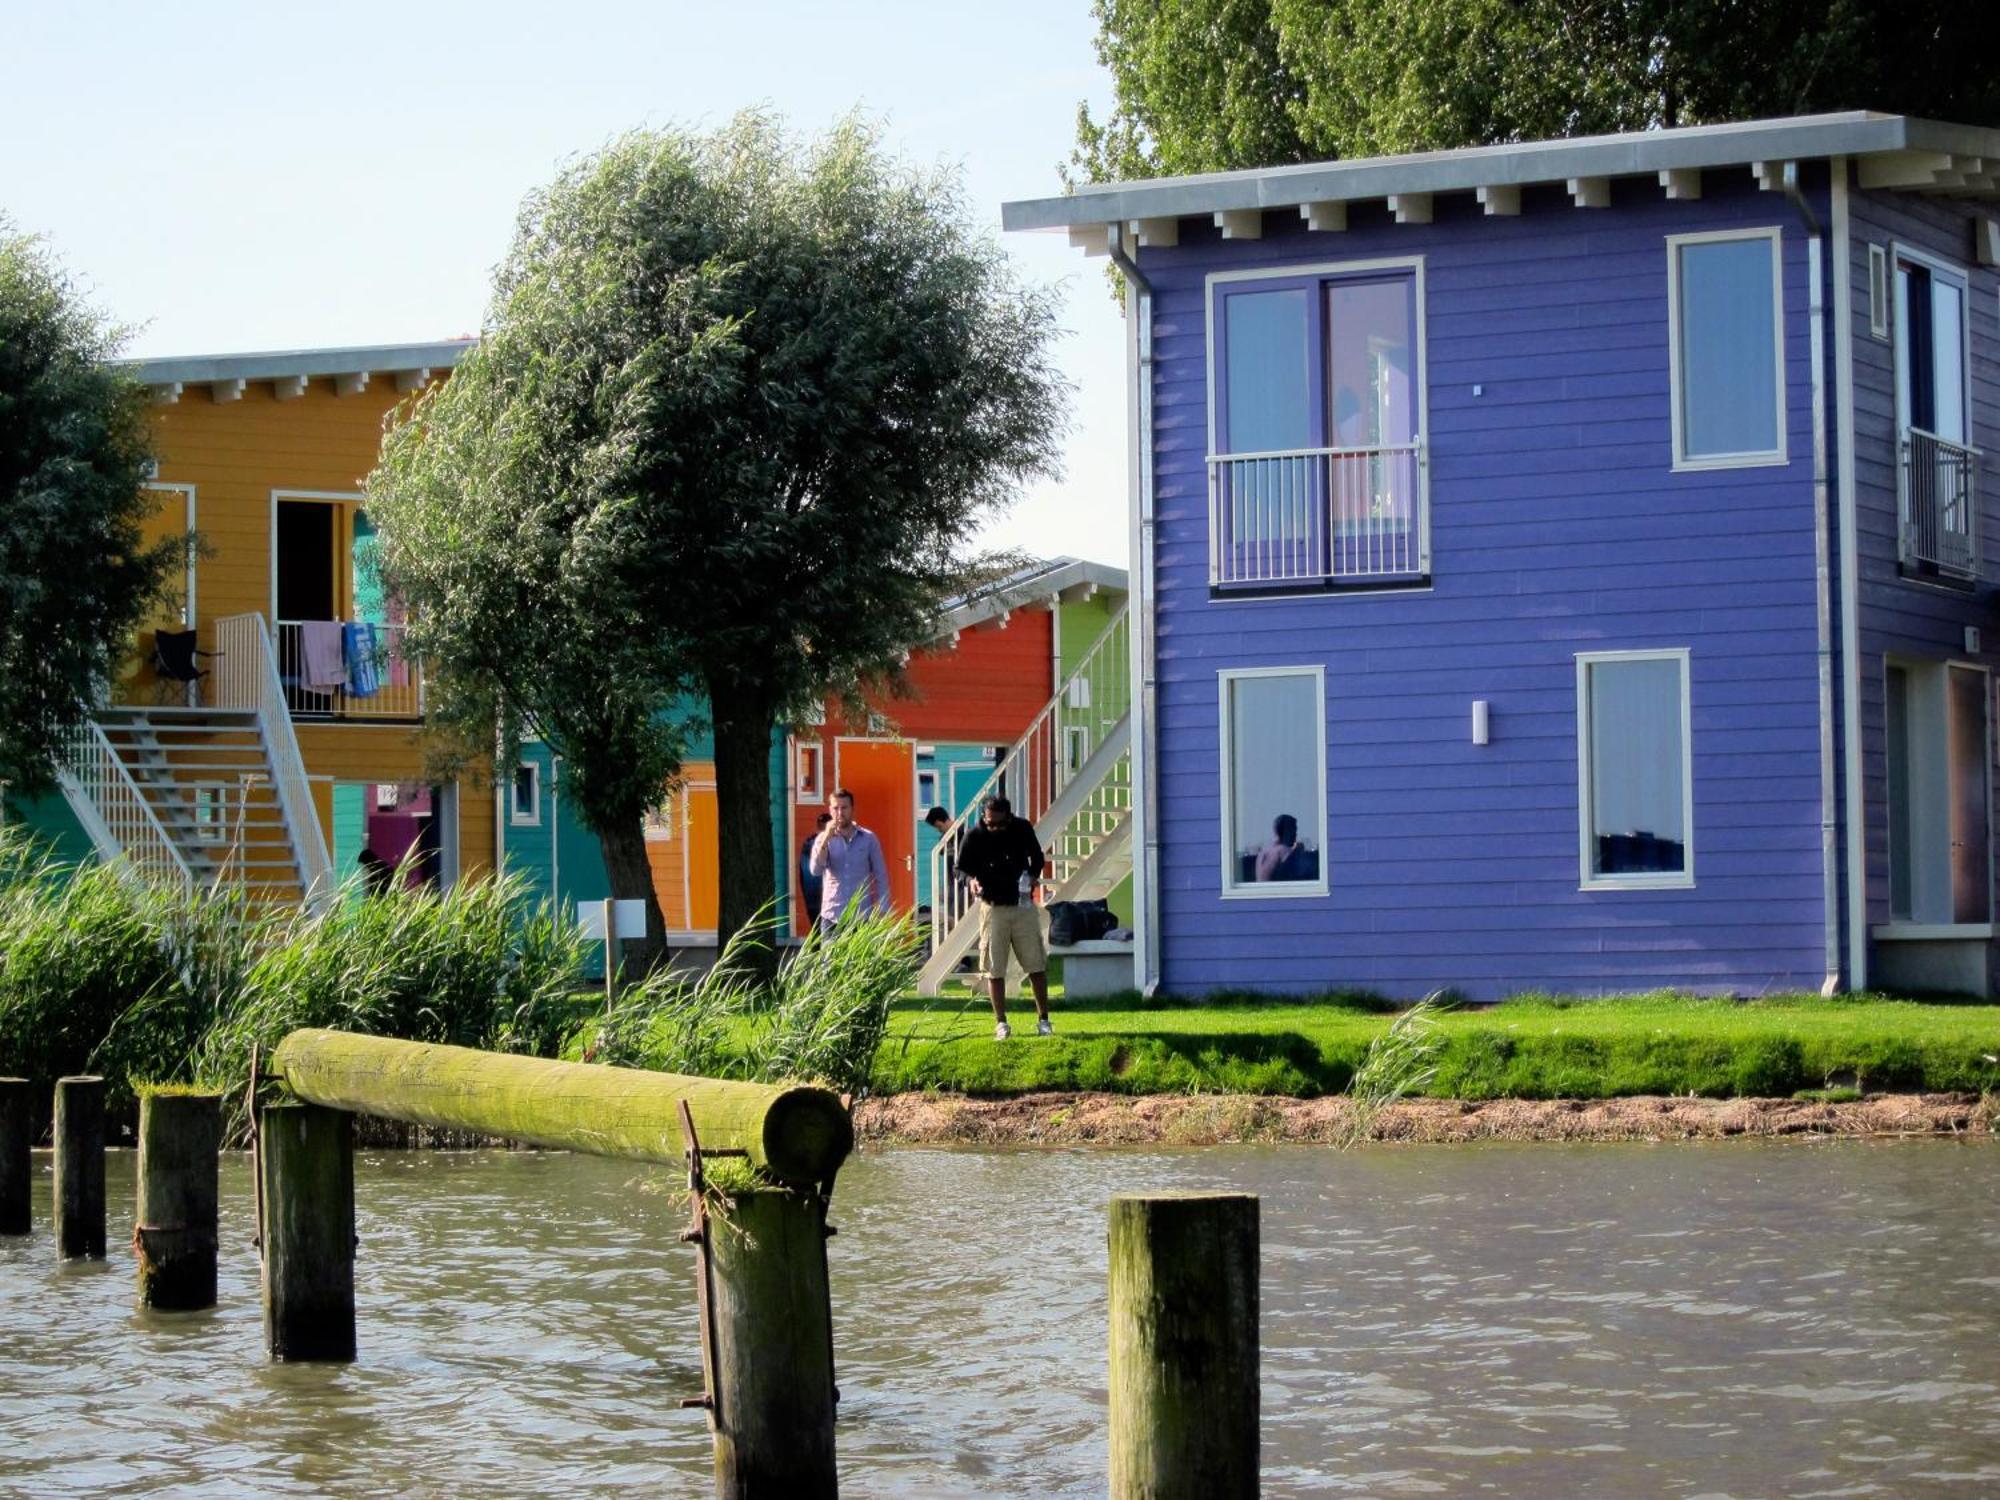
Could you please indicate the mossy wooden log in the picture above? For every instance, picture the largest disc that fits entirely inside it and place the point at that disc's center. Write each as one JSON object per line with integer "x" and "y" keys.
{"x": 772, "y": 1384}
{"x": 16, "y": 1163}
{"x": 174, "y": 1234}
{"x": 1184, "y": 1395}
{"x": 306, "y": 1157}
{"x": 79, "y": 1139}
{"x": 799, "y": 1135}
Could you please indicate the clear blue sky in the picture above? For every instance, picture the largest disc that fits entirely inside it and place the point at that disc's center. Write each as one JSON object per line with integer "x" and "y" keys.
{"x": 230, "y": 176}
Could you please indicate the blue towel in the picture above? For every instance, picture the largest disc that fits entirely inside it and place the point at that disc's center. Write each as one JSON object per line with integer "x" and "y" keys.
{"x": 363, "y": 680}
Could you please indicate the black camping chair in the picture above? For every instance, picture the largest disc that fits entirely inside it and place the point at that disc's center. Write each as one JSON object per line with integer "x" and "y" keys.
{"x": 176, "y": 667}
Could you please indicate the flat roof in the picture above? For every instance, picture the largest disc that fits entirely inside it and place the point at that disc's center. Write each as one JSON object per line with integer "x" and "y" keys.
{"x": 289, "y": 364}
{"x": 1904, "y": 152}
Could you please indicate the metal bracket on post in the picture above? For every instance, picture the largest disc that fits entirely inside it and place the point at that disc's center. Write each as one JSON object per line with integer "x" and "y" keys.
{"x": 696, "y": 1234}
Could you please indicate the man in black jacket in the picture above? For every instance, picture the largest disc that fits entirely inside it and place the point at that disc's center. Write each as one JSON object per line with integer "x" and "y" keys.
{"x": 1002, "y": 863}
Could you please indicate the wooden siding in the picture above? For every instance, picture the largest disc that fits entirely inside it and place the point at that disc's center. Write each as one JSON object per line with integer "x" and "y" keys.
{"x": 1899, "y": 616}
{"x": 985, "y": 689}
{"x": 1557, "y": 526}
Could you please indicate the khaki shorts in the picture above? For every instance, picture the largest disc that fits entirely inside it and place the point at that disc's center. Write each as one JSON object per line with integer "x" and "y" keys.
{"x": 1018, "y": 928}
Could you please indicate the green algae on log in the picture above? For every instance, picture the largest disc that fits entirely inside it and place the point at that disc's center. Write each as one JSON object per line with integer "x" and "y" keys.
{"x": 794, "y": 1134}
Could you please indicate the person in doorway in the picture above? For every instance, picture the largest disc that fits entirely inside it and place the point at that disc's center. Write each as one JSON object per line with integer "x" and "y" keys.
{"x": 848, "y": 859}
{"x": 377, "y": 874}
{"x": 809, "y": 883}
{"x": 1002, "y": 860}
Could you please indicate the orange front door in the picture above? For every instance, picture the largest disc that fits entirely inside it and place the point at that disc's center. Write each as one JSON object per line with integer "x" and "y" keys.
{"x": 882, "y": 774}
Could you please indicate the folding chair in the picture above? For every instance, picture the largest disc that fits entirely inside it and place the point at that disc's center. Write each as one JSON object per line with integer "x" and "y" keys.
{"x": 176, "y": 668}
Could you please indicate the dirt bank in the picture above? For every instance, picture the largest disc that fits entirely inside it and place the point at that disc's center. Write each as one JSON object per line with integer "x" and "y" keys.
{"x": 1116, "y": 1120}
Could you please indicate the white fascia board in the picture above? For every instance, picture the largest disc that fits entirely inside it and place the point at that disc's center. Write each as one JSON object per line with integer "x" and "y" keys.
{"x": 199, "y": 369}
{"x": 1637, "y": 153}
{"x": 1029, "y": 588}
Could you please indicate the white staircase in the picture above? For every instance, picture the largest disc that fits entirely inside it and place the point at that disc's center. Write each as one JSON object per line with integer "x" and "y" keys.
{"x": 215, "y": 797}
{"x": 1070, "y": 775}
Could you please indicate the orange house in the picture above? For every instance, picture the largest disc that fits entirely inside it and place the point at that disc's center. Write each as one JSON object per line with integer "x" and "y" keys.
{"x": 268, "y": 729}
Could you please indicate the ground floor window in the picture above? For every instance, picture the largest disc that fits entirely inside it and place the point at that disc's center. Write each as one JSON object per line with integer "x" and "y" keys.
{"x": 1634, "y": 769}
{"x": 525, "y": 807}
{"x": 1273, "y": 736}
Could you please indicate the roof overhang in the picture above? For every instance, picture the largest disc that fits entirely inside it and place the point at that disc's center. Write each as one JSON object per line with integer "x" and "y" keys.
{"x": 1893, "y": 151}
{"x": 1041, "y": 584}
{"x": 287, "y": 372}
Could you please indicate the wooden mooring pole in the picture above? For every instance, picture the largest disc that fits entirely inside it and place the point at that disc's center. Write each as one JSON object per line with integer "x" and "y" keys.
{"x": 174, "y": 1234}
{"x": 79, "y": 1136}
{"x": 16, "y": 1165}
{"x": 305, "y": 1158}
{"x": 1184, "y": 1346}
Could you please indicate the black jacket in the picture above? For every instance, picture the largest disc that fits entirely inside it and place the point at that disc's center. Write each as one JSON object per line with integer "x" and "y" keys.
{"x": 996, "y": 859}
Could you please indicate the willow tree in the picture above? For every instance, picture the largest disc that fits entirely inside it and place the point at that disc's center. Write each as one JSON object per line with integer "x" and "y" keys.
{"x": 741, "y": 400}
{"x": 77, "y": 574}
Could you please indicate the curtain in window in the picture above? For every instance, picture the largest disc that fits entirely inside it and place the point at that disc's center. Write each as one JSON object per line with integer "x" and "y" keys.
{"x": 1728, "y": 334}
{"x": 1636, "y": 771}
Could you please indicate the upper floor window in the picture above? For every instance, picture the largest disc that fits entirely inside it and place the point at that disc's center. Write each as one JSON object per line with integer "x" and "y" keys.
{"x": 1937, "y": 466}
{"x": 524, "y": 804}
{"x": 1315, "y": 467}
{"x": 1724, "y": 299}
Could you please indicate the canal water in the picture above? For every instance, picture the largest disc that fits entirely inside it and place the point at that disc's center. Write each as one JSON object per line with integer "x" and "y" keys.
{"x": 1537, "y": 1320}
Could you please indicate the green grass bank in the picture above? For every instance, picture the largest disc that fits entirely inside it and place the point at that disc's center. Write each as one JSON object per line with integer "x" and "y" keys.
{"x": 1527, "y": 1048}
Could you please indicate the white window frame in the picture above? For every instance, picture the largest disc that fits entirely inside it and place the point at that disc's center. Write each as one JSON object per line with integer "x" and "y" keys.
{"x": 1899, "y": 336}
{"x": 808, "y": 789}
{"x": 1763, "y": 458}
{"x": 210, "y": 803}
{"x": 1588, "y": 879}
{"x": 533, "y": 817}
{"x": 1878, "y": 292}
{"x": 1286, "y": 890}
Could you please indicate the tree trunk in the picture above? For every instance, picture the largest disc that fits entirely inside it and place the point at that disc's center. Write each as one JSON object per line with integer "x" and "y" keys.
{"x": 631, "y": 874}
{"x": 743, "y": 816}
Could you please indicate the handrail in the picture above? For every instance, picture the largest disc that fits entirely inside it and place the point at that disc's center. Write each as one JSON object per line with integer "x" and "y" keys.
{"x": 1414, "y": 445}
{"x": 247, "y": 677}
{"x": 1056, "y": 746}
{"x": 112, "y": 809}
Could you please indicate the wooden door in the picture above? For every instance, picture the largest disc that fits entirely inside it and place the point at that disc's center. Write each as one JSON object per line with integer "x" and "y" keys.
{"x": 882, "y": 774}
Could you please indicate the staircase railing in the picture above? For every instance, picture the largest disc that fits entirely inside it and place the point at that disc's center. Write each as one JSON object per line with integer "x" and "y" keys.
{"x": 112, "y": 809}
{"x": 1059, "y": 744}
{"x": 246, "y": 676}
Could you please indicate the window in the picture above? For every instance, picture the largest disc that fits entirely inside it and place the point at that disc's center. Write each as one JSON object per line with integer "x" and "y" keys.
{"x": 807, "y": 781}
{"x": 658, "y": 823}
{"x": 1635, "y": 769}
{"x": 524, "y": 800}
{"x": 1936, "y": 506}
{"x": 1726, "y": 358}
{"x": 211, "y": 812}
{"x": 1315, "y": 448}
{"x": 1937, "y": 738}
{"x": 1878, "y": 291}
{"x": 1273, "y": 734}
{"x": 927, "y": 791}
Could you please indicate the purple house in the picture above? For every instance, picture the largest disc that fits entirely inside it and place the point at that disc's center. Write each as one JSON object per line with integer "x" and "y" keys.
{"x": 1566, "y": 566}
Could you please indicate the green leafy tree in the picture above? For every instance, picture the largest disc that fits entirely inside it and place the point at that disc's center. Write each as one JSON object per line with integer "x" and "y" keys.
{"x": 1211, "y": 85}
{"x": 77, "y": 576}
{"x": 740, "y": 400}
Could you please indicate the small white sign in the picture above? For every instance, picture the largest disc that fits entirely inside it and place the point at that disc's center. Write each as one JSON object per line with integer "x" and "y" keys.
{"x": 628, "y": 918}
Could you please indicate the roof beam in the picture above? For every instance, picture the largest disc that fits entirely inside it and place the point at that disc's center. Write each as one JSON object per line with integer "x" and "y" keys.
{"x": 1410, "y": 208}
{"x": 1590, "y": 192}
{"x": 1330, "y": 216}
{"x": 1500, "y": 199}
{"x": 1240, "y": 223}
{"x": 1893, "y": 169}
{"x": 412, "y": 380}
{"x": 289, "y": 387}
{"x": 1770, "y": 174}
{"x": 1091, "y": 239}
{"x": 220, "y": 391}
{"x": 1162, "y": 234}
{"x": 1683, "y": 183}
{"x": 350, "y": 385}
{"x": 166, "y": 394}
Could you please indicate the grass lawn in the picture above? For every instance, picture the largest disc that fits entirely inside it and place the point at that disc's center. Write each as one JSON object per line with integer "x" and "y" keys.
{"x": 1531, "y": 1048}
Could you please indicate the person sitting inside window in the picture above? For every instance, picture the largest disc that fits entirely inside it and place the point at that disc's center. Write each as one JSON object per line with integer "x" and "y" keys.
{"x": 1280, "y": 859}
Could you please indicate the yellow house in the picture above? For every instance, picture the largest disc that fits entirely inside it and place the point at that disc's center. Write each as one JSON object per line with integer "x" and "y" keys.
{"x": 291, "y": 741}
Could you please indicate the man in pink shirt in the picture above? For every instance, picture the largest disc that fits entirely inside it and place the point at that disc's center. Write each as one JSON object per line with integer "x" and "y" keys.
{"x": 848, "y": 859}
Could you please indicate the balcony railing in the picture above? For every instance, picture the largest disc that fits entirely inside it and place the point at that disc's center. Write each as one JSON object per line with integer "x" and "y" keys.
{"x": 1318, "y": 516}
{"x": 1937, "y": 504}
{"x": 333, "y": 671}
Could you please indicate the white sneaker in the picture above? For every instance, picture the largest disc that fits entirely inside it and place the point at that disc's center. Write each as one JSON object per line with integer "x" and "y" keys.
{"x": 1043, "y": 1028}
{"x": 1002, "y": 1031}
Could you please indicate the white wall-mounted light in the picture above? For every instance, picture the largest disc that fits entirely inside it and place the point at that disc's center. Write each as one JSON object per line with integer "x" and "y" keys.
{"x": 1482, "y": 721}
